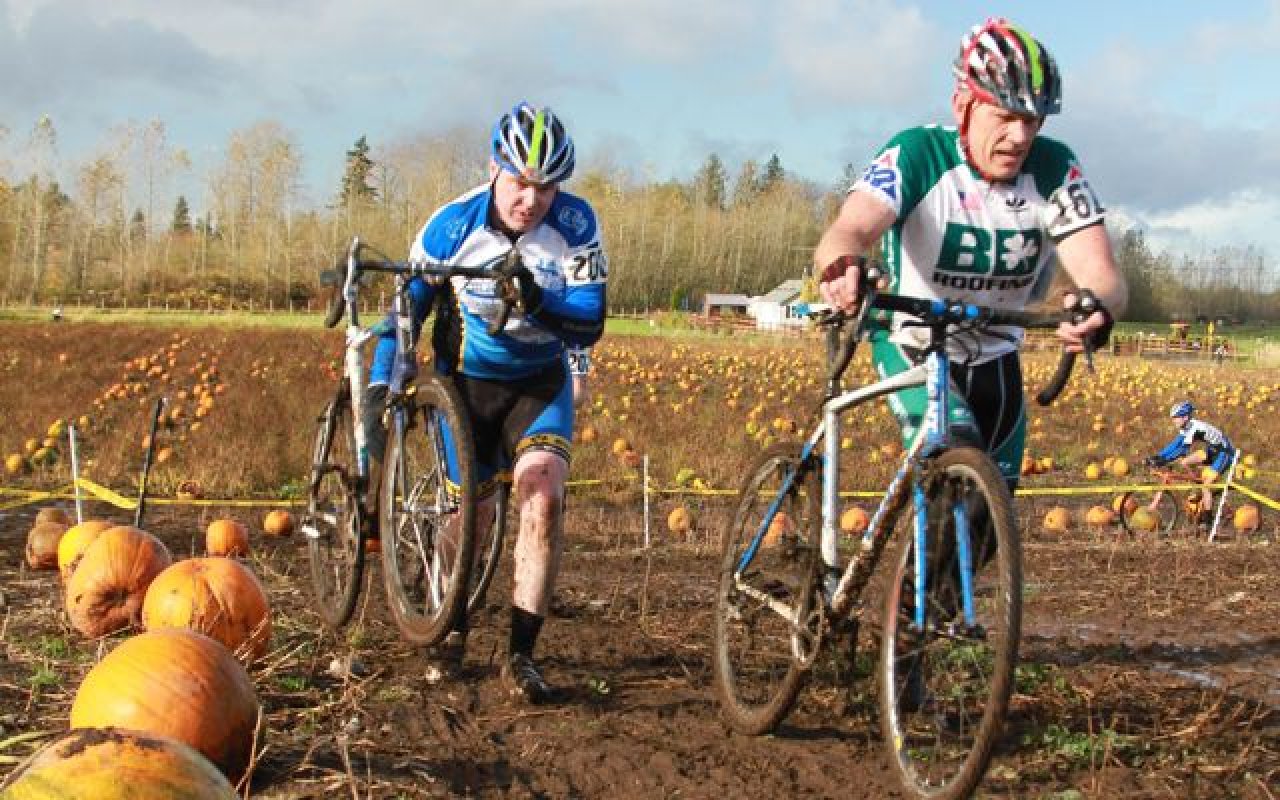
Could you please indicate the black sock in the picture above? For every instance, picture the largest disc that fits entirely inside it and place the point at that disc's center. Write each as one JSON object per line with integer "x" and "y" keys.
{"x": 525, "y": 626}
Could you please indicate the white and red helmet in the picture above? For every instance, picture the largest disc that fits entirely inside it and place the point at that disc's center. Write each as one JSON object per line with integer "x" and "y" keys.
{"x": 1002, "y": 64}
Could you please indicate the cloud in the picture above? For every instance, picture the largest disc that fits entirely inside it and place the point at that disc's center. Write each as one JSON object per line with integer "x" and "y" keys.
{"x": 63, "y": 55}
{"x": 862, "y": 53}
{"x": 1243, "y": 218}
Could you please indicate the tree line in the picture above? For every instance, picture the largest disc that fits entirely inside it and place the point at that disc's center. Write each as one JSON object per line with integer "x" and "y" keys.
{"x": 115, "y": 228}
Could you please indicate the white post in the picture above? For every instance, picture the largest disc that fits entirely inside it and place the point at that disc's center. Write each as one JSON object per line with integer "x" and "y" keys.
{"x": 1222, "y": 501}
{"x": 645, "y": 478}
{"x": 75, "y": 472}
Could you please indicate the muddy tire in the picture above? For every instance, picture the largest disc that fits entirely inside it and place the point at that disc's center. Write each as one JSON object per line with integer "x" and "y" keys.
{"x": 945, "y": 684}
{"x": 768, "y": 587}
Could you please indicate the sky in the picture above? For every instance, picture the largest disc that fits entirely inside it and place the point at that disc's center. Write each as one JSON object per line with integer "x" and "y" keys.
{"x": 1173, "y": 108}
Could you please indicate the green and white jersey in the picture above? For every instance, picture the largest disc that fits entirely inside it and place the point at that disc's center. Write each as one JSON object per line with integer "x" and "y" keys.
{"x": 961, "y": 238}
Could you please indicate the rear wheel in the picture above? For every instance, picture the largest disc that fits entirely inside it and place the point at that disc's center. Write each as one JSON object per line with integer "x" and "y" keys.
{"x": 765, "y": 623}
{"x": 428, "y": 518}
{"x": 489, "y": 551}
{"x": 332, "y": 523}
{"x": 1138, "y": 517}
{"x": 945, "y": 685}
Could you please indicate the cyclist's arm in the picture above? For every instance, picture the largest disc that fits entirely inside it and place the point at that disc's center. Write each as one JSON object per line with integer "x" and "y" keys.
{"x": 577, "y": 316}
{"x": 862, "y": 220}
{"x": 1175, "y": 449}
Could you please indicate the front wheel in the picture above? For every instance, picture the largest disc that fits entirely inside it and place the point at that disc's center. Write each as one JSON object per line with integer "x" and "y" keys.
{"x": 764, "y": 637}
{"x": 1138, "y": 517}
{"x": 945, "y": 685}
{"x": 332, "y": 522}
{"x": 428, "y": 512}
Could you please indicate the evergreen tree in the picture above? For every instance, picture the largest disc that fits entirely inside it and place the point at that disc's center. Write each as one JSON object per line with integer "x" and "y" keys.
{"x": 138, "y": 226}
{"x": 181, "y": 216}
{"x": 355, "y": 181}
{"x": 773, "y": 173}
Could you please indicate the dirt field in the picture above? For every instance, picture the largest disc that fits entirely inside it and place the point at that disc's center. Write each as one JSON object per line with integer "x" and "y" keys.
{"x": 1148, "y": 672}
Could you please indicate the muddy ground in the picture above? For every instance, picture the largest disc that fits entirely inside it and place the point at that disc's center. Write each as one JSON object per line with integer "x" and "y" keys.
{"x": 1150, "y": 671}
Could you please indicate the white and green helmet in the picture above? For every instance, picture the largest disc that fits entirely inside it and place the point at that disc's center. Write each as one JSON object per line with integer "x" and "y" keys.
{"x": 532, "y": 143}
{"x": 1002, "y": 64}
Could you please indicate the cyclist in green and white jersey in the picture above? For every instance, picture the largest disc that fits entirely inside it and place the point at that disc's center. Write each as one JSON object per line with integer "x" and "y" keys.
{"x": 977, "y": 212}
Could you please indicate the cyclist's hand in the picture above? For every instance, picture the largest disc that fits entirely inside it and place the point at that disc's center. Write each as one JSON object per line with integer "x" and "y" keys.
{"x": 1090, "y": 322}
{"x": 1150, "y": 461}
{"x": 522, "y": 290}
{"x": 838, "y": 283}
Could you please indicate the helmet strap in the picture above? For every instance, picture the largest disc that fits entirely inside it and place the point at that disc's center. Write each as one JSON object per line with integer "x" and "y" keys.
{"x": 963, "y": 130}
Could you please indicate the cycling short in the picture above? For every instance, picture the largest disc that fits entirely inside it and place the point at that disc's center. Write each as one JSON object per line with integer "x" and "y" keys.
{"x": 986, "y": 408}
{"x": 511, "y": 418}
{"x": 1219, "y": 463}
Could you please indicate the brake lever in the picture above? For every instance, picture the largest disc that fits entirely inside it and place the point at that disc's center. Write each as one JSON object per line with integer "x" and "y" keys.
{"x": 1086, "y": 305}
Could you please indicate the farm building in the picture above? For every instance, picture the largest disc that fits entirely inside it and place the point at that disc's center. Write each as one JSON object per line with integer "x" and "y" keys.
{"x": 721, "y": 305}
{"x": 780, "y": 308}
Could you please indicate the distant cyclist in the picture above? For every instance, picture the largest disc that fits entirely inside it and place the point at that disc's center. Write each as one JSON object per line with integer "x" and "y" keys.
{"x": 1216, "y": 455}
{"x": 517, "y": 384}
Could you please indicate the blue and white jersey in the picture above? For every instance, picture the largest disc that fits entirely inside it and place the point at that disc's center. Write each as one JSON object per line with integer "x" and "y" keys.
{"x": 1215, "y": 441}
{"x": 567, "y": 259}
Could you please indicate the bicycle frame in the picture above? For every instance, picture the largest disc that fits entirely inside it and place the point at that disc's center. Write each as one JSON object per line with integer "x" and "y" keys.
{"x": 403, "y": 368}
{"x": 933, "y": 437}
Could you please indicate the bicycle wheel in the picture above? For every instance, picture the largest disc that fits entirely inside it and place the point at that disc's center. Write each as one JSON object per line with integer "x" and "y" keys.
{"x": 1137, "y": 516}
{"x": 332, "y": 524}
{"x": 945, "y": 688}
{"x": 764, "y": 634}
{"x": 489, "y": 551}
{"x": 428, "y": 519}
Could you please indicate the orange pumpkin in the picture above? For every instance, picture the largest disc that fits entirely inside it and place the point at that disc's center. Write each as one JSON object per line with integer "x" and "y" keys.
{"x": 679, "y": 521}
{"x": 52, "y": 514}
{"x": 854, "y": 521}
{"x": 226, "y": 537}
{"x": 115, "y": 764}
{"x": 218, "y": 597}
{"x": 73, "y": 542}
{"x": 278, "y": 523}
{"x": 106, "y": 590}
{"x": 1099, "y": 517}
{"x": 781, "y": 526}
{"x": 176, "y": 683}
{"x": 42, "y": 545}
{"x": 1058, "y": 520}
{"x": 1246, "y": 519}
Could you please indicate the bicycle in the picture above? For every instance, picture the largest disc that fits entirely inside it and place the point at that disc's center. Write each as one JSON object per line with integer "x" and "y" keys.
{"x": 431, "y": 570}
{"x": 1165, "y": 509}
{"x": 950, "y": 628}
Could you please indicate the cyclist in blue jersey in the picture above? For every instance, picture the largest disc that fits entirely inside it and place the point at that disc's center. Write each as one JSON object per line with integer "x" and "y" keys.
{"x": 1215, "y": 457}
{"x": 515, "y": 383}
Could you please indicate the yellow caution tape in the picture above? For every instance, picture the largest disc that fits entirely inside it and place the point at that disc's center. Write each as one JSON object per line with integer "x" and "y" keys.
{"x": 1261, "y": 498}
{"x": 26, "y": 497}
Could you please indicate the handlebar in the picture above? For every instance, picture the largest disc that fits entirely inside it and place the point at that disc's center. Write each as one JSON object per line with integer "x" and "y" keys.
{"x": 939, "y": 314}
{"x": 346, "y": 275}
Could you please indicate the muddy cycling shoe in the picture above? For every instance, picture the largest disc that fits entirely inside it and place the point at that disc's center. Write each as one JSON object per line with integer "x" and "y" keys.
{"x": 525, "y": 681}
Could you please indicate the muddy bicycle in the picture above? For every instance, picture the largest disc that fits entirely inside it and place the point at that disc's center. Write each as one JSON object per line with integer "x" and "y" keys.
{"x": 434, "y": 569}
{"x": 952, "y": 612}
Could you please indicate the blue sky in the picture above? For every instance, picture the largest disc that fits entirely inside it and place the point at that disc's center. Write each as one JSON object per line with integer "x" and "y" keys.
{"x": 1173, "y": 108}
